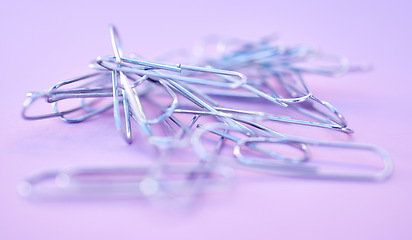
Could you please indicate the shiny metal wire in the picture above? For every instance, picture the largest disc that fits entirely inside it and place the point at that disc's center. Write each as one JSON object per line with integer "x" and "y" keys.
{"x": 215, "y": 93}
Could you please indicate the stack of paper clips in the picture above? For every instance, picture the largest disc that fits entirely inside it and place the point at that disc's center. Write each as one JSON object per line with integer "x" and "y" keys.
{"x": 225, "y": 108}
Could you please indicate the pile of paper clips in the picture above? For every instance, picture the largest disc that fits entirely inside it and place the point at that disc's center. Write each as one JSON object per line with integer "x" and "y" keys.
{"x": 224, "y": 111}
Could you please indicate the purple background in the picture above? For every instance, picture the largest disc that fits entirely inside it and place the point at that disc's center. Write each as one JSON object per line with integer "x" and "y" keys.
{"x": 43, "y": 42}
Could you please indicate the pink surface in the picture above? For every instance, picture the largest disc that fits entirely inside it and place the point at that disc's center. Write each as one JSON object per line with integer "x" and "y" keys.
{"x": 46, "y": 42}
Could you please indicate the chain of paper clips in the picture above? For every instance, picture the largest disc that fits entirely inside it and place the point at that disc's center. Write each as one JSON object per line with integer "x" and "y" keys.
{"x": 154, "y": 96}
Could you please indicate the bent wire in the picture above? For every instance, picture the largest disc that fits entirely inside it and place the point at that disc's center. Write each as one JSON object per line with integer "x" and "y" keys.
{"x": 128, "y": 181}
{"x": 280, "y": 56}
{"x": 315, "y": 169}
{"x": 224, "y": 131}
{"x": 225, "y": 79}
{"x": 129, "y": 93}
{"x": 97, "y": 85}
{"x": 243, "y": 115}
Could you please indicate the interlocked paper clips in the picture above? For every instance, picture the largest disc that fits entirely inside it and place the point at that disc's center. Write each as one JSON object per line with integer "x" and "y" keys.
{"x": 235, "y": 100}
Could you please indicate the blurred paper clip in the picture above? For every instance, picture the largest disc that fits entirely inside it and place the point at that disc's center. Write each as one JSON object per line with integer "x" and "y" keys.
{"x": 233, "y": 101}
